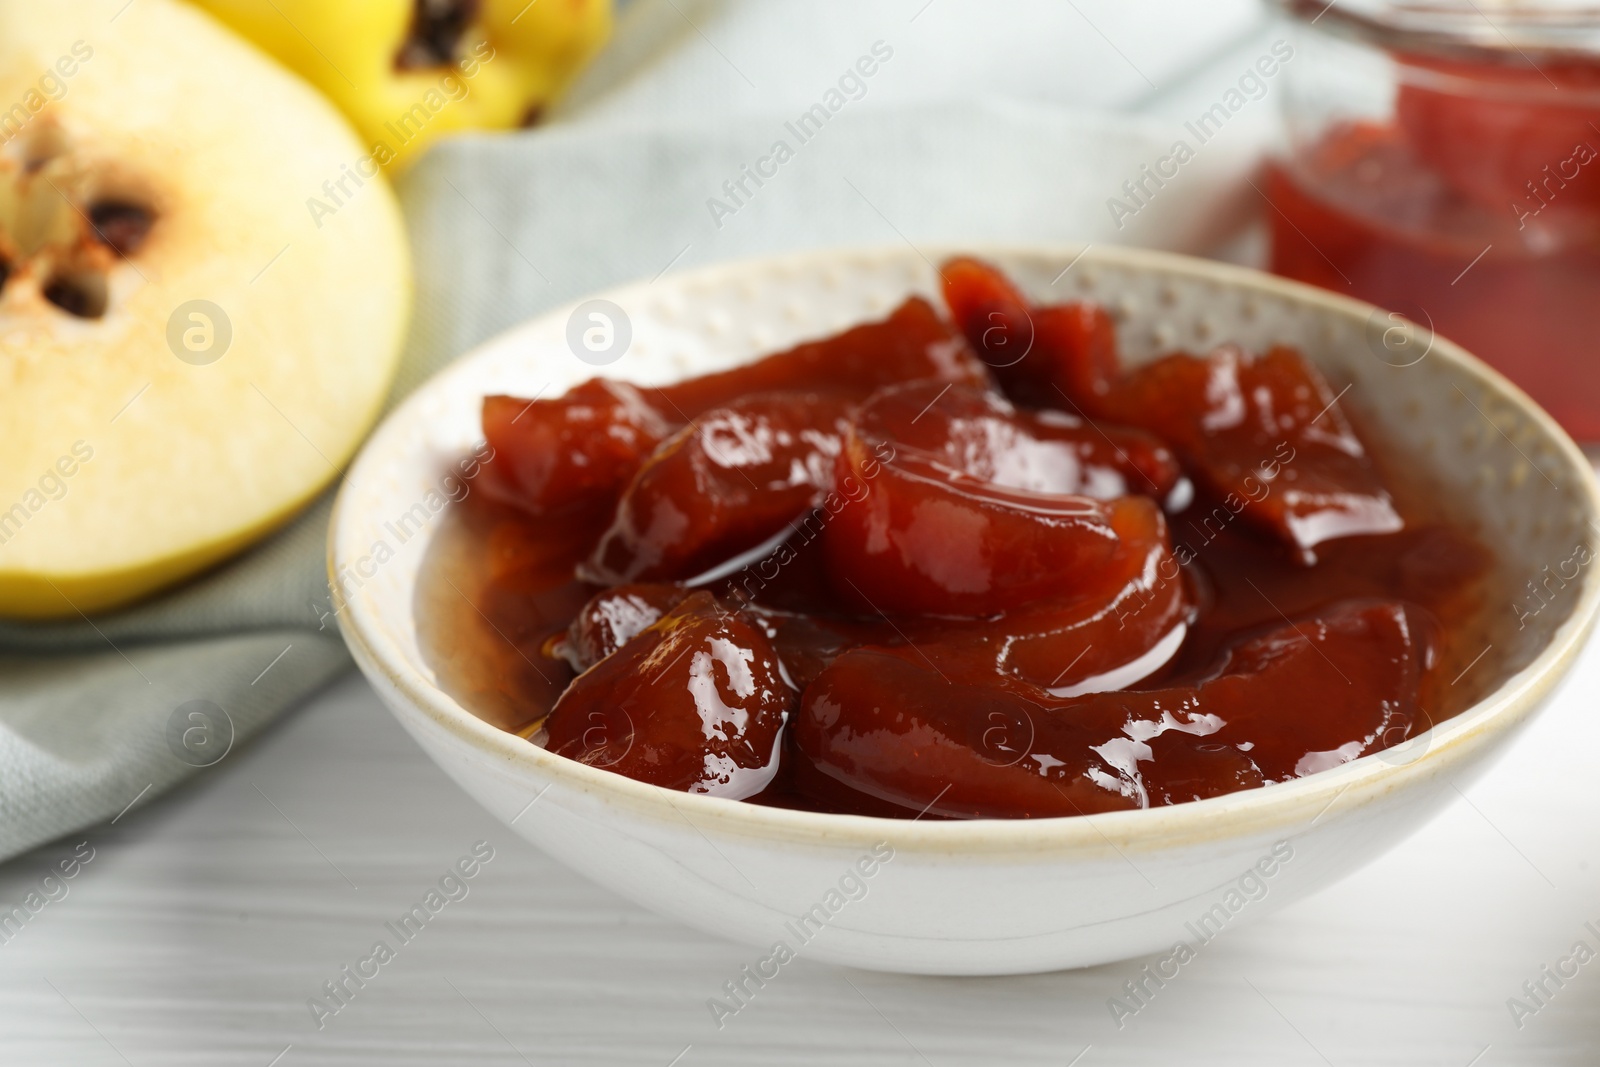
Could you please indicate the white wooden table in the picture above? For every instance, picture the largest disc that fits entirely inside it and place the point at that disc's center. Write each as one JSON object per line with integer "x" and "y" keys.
{"x": 206, "y": 919}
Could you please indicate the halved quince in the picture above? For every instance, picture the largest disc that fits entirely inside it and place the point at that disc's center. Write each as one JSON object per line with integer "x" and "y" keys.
{"x": 406, "y": 71}
{"x": 185, "y": 357}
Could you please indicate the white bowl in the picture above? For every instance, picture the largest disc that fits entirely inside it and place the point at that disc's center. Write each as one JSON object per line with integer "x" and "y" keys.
{"x": 990, "y": 896}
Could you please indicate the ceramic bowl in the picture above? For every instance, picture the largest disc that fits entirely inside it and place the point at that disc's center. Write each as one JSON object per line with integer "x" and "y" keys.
{"x": 990, "y": 896}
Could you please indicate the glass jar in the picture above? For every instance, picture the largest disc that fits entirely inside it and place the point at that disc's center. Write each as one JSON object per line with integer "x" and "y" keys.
{"x": 1443, "y": 161}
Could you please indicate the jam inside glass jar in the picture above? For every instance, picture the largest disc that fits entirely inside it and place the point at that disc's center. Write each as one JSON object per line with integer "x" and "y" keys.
{"x": 1444, "y": 162}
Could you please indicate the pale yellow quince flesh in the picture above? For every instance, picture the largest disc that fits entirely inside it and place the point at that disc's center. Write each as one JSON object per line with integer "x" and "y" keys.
{"x": 406, "y": 71}
{"x": 151, "y": 159}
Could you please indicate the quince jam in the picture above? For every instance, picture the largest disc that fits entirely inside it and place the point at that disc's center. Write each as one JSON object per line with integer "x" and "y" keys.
{"x": 962, "y": 566}
{"x": 1474, "y": 210}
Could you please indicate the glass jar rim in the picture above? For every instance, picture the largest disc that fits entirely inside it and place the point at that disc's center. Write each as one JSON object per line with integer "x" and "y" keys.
{"x": 1507, "y": 31}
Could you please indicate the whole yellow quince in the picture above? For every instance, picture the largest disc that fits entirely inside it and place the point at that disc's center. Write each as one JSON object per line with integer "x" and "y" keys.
{"x": 406, "y": 71}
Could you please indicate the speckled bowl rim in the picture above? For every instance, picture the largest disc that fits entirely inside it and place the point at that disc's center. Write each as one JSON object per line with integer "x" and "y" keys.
{"x": 1285, "y": 805}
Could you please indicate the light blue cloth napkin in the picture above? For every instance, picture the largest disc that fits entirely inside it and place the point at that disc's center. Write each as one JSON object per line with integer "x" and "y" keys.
{"x": 968, "y": 130}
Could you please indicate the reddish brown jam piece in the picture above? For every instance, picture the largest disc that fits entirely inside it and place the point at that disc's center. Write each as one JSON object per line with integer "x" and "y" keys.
{"x": 992, "y": 312}
{"x": 912, "y": 343}
{"x": 694, "y": 702}
{"x": 1076, "y": 345}
{"x": 889, "y": 724}
{"x": 885, "y": 723}
{"x": 978, "y": 434}
{"x": 552, "y": 455}
{"x": 1042, "y": 355}
{"x": 1119, "y": 630}
{"x": 1117, "y": 633}
{"x": 1267, "y": 433}
{"x": 735, "y": 478}
{"x": 1361, "y": 661}
{"x": 615, "y": 616}
{"x": 924, "y": 539}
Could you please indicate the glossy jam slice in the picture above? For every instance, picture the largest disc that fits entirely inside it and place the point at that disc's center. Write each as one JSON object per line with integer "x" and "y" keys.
{"x": 1266, "y": 432}
{"x": 735, "y": 478}
{"x": 581, "y": 449}
{"x": 888, "y": 724}
{"x": 551, "y": 455}
{"x": 1047, "y": 356}
{"x": 1364, "y": 660}
{"x": 1118, "y": 632}
{"x": 914, "y": 342}
{"x": 925, "y": 539}
{"x": 615, "y": 616}
{"x": 693, "y": 702}
{"x": 979, "y": 434}
{"x": 991, "y": 312}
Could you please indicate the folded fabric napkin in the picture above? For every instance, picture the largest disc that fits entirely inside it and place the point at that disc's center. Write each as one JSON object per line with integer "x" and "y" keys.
{"x": 98, "y": 714}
